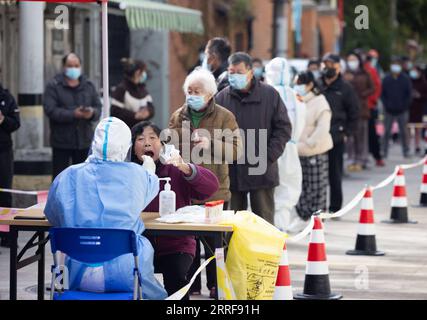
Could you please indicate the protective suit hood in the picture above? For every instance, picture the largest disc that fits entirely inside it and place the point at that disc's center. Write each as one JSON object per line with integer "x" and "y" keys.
{"x": 112, "y": 141}
{"x": 278, "y": 73}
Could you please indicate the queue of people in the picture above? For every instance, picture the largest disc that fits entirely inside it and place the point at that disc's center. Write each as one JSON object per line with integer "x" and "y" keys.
{"x": 251, "y": 135}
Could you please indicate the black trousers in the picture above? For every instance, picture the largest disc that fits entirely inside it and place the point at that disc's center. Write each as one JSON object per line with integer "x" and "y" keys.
{"x": 6, "y": 179}
{"x": 63, "y": 158}
{"x": 174, "y": 268}
{"x": 262, "y": 202}
{"x": 210, "y": 268}
{"x": 374, "y": 139}
{"x": 6, "y": 176}
{"x": 336, "y": 164}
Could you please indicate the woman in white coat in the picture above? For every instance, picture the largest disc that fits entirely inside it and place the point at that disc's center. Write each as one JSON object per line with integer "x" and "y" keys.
{"x": 313, "y": 147}
{"x": 287, "y": 194}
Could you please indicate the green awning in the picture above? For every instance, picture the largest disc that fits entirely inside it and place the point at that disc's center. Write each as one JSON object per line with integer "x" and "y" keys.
{"x": 143, "y": 14}
{"x": 7, "y": 2}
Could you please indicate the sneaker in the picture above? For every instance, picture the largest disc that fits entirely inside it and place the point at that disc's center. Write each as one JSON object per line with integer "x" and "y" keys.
{"x": 212, "y": 293}
{"x": 380, "y": 163}
{"x": 354, "y": 168}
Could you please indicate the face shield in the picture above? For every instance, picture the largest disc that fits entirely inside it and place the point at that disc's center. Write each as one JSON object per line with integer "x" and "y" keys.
{"x": 112, "y": 141}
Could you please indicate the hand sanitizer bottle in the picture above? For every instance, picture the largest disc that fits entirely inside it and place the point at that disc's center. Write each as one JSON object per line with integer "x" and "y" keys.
{"x": 167, "y": 199}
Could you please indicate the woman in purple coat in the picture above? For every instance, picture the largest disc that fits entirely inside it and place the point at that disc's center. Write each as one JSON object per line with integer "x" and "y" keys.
{"x": 173, "y": 255}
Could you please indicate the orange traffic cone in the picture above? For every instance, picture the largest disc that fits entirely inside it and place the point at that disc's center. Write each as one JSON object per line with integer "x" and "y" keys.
{"x": 283, "y": 289}
{"x": 366, "y": 244}
{"x": 316, "y": 284}
{"x": 399, "y": 202}
{"x": 423, "y": 198}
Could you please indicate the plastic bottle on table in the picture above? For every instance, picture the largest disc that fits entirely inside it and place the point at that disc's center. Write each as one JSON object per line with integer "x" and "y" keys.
{"x": 167, "y": 199}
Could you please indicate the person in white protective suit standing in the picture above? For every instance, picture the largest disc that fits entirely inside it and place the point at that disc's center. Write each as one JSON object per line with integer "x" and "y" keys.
{"x": 107, "y": 191}
{"x": 287, "y": 194}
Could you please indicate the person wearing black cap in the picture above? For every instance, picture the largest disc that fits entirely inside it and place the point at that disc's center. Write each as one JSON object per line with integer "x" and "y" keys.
{"x": 345, "y": 107}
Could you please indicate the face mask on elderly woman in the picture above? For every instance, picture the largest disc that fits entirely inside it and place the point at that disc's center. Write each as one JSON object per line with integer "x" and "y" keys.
{"x": 195, "y": 102}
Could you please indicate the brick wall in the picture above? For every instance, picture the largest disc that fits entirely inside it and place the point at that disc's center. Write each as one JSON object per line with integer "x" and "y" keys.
{"x": 329, "y": 28}
{"x": 309, "y": 46}
{"x": 262, "y": 28}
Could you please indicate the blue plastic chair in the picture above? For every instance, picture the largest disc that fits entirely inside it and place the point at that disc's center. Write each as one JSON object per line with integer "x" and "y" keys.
{"x": 90, "y": 246}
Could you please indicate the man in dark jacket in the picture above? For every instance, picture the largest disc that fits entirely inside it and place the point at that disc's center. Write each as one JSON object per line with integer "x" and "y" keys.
{"x": 9, "y": 122}
{"x": 265, "y": 125}
{"x": 345, "y": 107}
{"x": 71, "y": 103}
{"x": 216, "y": 60}
{"x": 396, "y": 97}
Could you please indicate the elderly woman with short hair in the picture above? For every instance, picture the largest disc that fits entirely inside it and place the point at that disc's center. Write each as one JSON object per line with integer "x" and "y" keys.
{"x": 214, "y": 132}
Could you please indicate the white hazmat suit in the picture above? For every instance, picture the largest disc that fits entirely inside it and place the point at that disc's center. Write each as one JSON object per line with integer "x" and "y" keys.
{"x": 107, "y": 192}
{"x": 287, "y": 194}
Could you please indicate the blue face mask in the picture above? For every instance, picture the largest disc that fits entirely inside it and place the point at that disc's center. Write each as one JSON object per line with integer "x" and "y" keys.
{"x": 374, "y": 62}
{"x": 300, "y": 90}
{"x": 258, "y": 72}
{"x": 238, "y": 81}
{"x": 143, "y": 77}
{"x": 414, "y": 74}
{"x": 73, "y": 73}
{"x": 195, "y": 102}
{"x": 396, "y": 68}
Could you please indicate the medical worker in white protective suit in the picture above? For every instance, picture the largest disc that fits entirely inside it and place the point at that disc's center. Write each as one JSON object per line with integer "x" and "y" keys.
{"x": 287, "y": 194}
{"x": 107, "y": 191}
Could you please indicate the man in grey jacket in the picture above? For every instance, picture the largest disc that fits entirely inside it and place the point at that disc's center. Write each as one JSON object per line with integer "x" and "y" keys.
{"x": 263, "y": 119}
{"x": 71, "y": 103}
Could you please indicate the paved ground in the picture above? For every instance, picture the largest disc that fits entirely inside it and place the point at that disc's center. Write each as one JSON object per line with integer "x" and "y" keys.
{"x": 400, "y": 274}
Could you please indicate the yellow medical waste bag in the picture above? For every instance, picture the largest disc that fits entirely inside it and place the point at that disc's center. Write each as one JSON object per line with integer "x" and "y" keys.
{"x": 253, "y": 256}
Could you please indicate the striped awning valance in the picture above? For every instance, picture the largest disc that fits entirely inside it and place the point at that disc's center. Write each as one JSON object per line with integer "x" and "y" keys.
{"x": 143, "y": 14}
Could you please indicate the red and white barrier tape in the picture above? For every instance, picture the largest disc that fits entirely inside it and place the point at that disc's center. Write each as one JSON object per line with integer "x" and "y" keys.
{"x": 355, "y": 200}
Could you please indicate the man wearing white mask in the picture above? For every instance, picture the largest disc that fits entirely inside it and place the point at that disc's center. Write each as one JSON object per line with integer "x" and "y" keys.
{"x": 287, "y": 194}
{"x": 216, "y": 60}
{"x": 107, "y": 191}
{"x": 266, "y": 128}
{"x": 71, "y": 103}
{"x": 396, "y": 97}
{"x": 314, "y": 67}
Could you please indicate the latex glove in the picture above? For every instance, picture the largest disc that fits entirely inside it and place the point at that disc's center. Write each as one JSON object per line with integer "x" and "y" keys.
{"x": 149, "y": 164}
